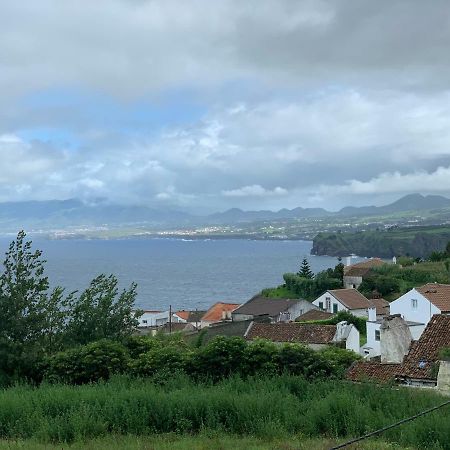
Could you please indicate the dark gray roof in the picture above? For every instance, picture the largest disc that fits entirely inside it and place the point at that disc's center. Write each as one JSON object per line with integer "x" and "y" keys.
{"x": 258, "y": 306}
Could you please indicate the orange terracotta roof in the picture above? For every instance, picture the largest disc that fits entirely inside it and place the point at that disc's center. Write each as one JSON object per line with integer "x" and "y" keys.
{"x": 305, "y": 333}
{"x": 351, "y": 298}
{"x": 438, "y": 294}
{"x": 183, "y": 314}
{"x": 215, "y": 313}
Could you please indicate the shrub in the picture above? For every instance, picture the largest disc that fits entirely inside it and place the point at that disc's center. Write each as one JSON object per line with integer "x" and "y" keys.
{"x": 220, "y": 358}
{"x": 91, "y": 362}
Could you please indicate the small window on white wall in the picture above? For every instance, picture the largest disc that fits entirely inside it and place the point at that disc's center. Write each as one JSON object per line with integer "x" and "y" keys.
{"x": 377, "y": 335}
{"x": 414, "y": 303}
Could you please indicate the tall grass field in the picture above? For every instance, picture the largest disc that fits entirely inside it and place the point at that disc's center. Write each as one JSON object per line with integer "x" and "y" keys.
{"x": 262, "y": 408}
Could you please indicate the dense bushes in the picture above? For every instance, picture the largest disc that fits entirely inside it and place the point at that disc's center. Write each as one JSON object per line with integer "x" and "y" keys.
{"x": 220, "y": 358}
{"x": 91, "y": 362}
{"x": 311, "y": 288}
{"x": 263, "y": 407}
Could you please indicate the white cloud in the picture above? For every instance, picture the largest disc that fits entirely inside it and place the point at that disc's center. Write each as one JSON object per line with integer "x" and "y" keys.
{"x": 254, "y": 191}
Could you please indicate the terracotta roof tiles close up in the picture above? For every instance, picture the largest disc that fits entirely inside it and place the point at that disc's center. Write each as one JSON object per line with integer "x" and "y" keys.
{"x": 303, "y": 333}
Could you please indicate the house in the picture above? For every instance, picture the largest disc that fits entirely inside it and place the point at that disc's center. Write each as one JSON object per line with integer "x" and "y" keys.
{"x": 374, "y": 324}
{"x": 420, "y": 304}
{"x": 219, "y": 312}
{"x": 312, "y": 335}
{"x": 382, "y": 307}
{"x": 193, "y": 317}
{"x": 355, "y": 274}
{"x": 278, "y": 309}
{"x": 419, "y": 366}
{"x": 349, "y": 300}
{"x": 152, "y": 318}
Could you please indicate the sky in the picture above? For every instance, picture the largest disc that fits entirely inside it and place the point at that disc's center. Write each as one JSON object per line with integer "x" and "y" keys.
{"x": 205, "y": 105}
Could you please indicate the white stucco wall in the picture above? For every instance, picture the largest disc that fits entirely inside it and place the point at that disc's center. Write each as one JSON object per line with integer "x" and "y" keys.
{"x": 153, "y": 319}
{"x": 372, "y": 344}
{"x": 421, "y": 314}
{"x": 333, "y": 301}
{"x": 352, "y": 342}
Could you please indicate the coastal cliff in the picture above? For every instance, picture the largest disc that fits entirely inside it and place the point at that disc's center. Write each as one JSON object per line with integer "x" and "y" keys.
{"x": 418, "y": 242}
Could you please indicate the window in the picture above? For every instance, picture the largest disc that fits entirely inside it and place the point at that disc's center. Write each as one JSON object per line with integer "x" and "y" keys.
{"x": 321, "y": 305}
{"x": 144, "y": 321}
{"x": 377, "y": 335}
{"x": 335, "y": 308}
{"x": 414, "y": 303}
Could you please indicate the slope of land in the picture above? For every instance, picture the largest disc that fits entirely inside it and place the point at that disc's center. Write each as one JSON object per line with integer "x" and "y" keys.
{"x": 411, "y": 241}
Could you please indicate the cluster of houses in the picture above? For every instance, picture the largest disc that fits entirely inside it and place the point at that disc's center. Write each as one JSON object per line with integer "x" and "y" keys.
{"x": 404, "y": 337}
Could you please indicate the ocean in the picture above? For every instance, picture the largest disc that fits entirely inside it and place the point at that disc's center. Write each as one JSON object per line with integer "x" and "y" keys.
{"x": 183, "y": 273}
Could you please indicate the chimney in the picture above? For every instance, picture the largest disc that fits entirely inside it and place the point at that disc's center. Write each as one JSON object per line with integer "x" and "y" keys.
{"x": 348, "y": 261}
{"x": 395, "y": 339}
{"x": 372, "y": 311}
{"x": 394, "y": 260}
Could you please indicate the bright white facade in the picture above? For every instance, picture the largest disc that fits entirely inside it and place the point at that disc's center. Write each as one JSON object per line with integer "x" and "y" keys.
{"x": 157, "y": 319}
{"x": 414, "y": 307}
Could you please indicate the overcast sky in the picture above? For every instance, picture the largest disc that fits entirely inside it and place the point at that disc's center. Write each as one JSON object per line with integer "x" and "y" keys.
{"x": 203, "y": 105}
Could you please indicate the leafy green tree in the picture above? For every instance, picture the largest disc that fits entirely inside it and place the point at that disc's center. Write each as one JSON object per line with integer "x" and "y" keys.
{"x": 305, "y": 271}
{"x": 31, "y": 314}
{"x": 100, "y": 312}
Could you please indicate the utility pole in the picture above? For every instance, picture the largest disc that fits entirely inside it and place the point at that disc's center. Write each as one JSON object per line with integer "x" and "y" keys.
{"x": 170, "y": 319}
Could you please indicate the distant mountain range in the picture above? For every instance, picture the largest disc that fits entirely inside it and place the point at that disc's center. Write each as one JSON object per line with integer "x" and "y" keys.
{"x": 69, "y": 213}
{"x": 411, "y": 202}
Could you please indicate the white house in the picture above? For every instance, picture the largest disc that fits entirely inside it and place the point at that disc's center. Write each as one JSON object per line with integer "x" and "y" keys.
{"x": 374, "y": 333}
{"x": 419, "y": 304}
{"x": 350, "y": 300}
{"x": 152, "y": 318}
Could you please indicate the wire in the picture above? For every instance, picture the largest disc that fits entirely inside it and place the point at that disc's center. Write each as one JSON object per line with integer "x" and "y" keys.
{"x": 381, "y": 430}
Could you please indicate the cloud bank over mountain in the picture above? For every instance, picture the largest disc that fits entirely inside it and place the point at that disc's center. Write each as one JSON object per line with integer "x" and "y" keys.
{"x": 206, "y": 105}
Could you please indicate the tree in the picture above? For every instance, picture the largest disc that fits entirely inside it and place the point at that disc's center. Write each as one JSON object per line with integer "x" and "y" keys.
{"x": 100, "y": 312}
{"x": 305, "y": 271}
{"x": 31, "y": 319}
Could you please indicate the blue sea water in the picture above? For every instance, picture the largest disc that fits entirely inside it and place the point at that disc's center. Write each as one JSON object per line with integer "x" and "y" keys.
{"x": 182, "y": 273}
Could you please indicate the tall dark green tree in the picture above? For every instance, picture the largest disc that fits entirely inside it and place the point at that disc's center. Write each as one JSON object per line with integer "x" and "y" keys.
{"x": 102, "y": 312}
{"x": 305, "y": 271}
{"x": 31, "y": 314}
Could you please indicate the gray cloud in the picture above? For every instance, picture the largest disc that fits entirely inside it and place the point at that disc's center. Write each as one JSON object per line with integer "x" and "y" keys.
{"x": 305, "y": 102}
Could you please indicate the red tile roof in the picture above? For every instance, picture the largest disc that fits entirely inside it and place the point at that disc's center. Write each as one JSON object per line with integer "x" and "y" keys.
{"x": 382, "y": 306}
{"x": 351, "y": 298}
{"x": 314, "y": 314}
{"x": 438, "y": 294}
{"x": 215, "y": 313}
{"x": 424, "y": 353}
{"x": 372, "y": 371}
{"x": 304, "y": 333}
{"x": 183, "y": 314}
{"x": 362, "y": 268}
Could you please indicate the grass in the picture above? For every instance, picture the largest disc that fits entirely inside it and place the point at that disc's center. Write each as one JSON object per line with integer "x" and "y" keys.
{"x": 263, "y": 409}
{"x": 175, "y": 442}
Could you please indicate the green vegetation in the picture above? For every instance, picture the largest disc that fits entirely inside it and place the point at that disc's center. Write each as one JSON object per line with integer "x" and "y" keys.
{"x": 265, "y": 408}
{"x": 36, "y": 321}
{"x": 279, "y": 292}
{"x": 412, "y": 241}
{"x": 220, "y": 358}
{"x": 305, "y": 271}
{"x": 392, "y": 280}
{"x": 203, "y": 441}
